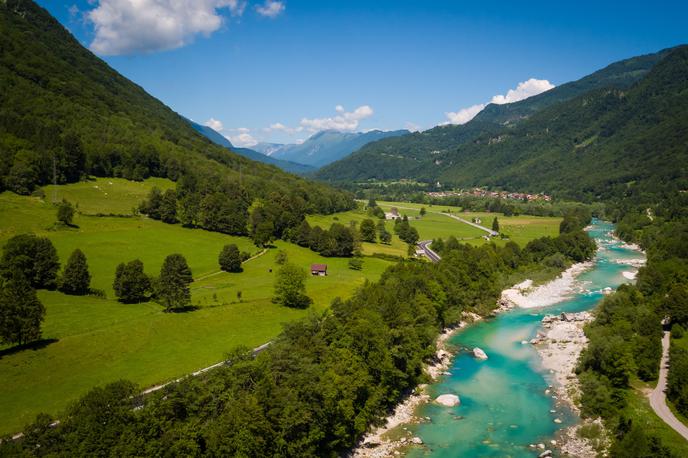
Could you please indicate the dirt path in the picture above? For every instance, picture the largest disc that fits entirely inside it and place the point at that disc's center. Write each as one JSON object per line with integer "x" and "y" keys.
{"x": 212, "y": 274}
{"x": 658, "y": 397}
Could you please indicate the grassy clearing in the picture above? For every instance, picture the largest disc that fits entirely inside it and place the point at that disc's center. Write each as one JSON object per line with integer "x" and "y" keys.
{"x": 96, "y": 341}
{"x": 641, "y": 413}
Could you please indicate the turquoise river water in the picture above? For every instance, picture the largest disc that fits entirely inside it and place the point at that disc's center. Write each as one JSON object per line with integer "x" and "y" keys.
{"x": 504, "y": 407}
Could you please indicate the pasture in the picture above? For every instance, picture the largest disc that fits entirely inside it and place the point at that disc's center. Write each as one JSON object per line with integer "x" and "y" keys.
{"x": 90, "y": 341}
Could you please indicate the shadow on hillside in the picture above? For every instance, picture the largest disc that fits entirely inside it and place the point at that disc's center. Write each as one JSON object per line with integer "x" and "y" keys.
{"x": 37, "y": 345}
{"x": 187, "y": 309}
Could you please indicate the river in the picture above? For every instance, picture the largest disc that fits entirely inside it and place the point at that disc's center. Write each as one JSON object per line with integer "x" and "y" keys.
{"x": 504, "y": 407}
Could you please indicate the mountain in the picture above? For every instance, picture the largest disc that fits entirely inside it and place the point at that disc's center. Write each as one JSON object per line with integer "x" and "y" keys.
{"x": 426, "y": 155}
{"x": 65, "y": 114}
{"x": 326, "y": 146}
{"x": 219, "y": 139}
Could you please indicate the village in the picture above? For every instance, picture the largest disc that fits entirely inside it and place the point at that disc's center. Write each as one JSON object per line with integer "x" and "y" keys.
{"x": 481, "y": 192}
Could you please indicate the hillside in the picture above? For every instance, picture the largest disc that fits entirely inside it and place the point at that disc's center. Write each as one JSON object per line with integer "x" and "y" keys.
{"x": 62, "y": 106}
{"x": 219, "y": 139}
{"x": 325, "y": 147}
{"x": 427, "y": 155}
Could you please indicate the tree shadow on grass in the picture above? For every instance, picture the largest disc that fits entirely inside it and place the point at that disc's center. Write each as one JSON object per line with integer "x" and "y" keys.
{"x": 187, "y": 309}
{"x": 37, "y": 345}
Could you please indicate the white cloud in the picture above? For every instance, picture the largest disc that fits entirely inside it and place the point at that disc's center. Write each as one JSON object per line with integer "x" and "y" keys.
{"x": 243, "y": 138}
{"x": 464, "y": 115}
{"x": 524, "y": 90}
{"x": 270, "y": 8}
{"x": 343, "y": 121}
{"x": 214, "y": 124}
{"x": 140, "y": 26}
{"x": 412, "y": 127}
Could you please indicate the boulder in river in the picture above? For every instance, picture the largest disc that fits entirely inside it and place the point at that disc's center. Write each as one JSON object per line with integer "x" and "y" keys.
{"x": 449, "y": 400}
{"x": 479, "y": 353}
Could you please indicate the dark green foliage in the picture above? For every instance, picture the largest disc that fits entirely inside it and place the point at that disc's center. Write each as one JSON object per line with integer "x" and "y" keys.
{"x": 636, "y": 443}
{"x": 21, "y": 313}
{"x": 495, "y": 224}
{"x": 575, "y": 219}
{"x": 383, "y": 233}
{"x": 65, "y": 212}
{"x": 677, "y": 381}
{"x": 281, "y": 257}
{"x": 290, "y": 287}
{"x": 76, "y": 279}
{"x": 173, "y": 284}
{"x": 367, "y": 231}
{"x": 355, "y": 263}
{"x": 168, "y": 207}
{"x": 131, "y": 284}
{"x": 405, "y": 232}
{"x": 422, "y": 211}
{"x": 35, "y": 257}
{"x": 230, "y": 259}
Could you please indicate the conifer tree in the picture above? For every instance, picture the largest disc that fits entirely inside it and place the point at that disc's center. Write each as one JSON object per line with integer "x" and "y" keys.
{"x": 175, "y": 277}
{"x": 76, "y": 278}
{"x": 21, "y": 313}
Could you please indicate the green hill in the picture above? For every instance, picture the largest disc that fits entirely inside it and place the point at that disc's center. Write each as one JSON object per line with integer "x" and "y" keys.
{"x": 483, "y": 150}
{"x": 65, "y": 114}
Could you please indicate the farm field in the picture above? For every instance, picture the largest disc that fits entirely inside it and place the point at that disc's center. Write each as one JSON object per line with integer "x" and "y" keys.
{"x": 521, "y": 229}
{"x": 90, "y": 341}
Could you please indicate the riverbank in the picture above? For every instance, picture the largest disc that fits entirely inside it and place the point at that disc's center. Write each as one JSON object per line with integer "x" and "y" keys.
{"x": 525, "y": 295}
{"x": 385, "y": 440}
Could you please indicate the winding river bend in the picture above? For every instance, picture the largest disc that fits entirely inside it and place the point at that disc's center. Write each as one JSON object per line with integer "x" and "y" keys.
{"x": 504, "y": 407}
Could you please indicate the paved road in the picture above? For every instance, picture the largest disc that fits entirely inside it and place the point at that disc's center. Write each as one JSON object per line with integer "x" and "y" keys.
{"x": 425, "y": 246}
{"x": 471, "y": 223}
{"x": 658, "y": 397}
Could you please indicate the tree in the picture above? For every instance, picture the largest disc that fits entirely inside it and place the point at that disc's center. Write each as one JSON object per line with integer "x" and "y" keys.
{"x": 281, "y": 257}
{"x": 73, "y": 160}
{"x": 21, "y": 313}
{"x": 36, "y": 257}
{"x": 263, "y": 234}
{"x": 76, "y": 279}
{"x": 230, "y": 259}
{"x": 355, "y": 263}
{"x": 385, "y": 236}
{"x": 367, "y": 230}
{"x": 151, "y": 206}
{"x": 131, "y": 284}
{"x": 372, "y": 203}
{"x": 168, "y": 207}
{"x": 65, "y": 212}
{"x": 290, "y": 287}
{"x": 495, "y": 224}
{"x": 422, "y": 211}
{"x": 175, "y": 277}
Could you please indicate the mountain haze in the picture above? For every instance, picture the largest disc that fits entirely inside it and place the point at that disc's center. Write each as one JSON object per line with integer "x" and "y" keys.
{"x": 219, "y": 139}
{"x": 325, "y": 147}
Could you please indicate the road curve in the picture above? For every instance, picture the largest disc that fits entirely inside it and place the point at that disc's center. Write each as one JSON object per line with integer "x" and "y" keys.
{"x": 658, "y": 396}
{"x": 425, "y": 246}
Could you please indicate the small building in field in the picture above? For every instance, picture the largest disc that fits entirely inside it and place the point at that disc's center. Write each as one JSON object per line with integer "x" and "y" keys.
{"x": 392, "y": 214}
{"x": 319, "y": 269}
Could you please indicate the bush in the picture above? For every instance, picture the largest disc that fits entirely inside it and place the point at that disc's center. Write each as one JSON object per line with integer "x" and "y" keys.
{"x": 677, "y": 331}
{"x": 281, "y": 257}
{"x": 230, "y": 259}
{"x": 355, "y": 263}
{"x": 65, "y": 212}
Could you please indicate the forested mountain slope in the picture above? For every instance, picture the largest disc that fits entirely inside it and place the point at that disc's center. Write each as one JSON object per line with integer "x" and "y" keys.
{"x": 427, "y": 155}
{"x": 63, "y": 109}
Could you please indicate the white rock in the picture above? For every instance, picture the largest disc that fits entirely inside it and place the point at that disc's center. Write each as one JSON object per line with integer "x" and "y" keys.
{"x": 541, "y": 446}
{"x": 449, "y": 400}
{"x": 524, "y": 342}
{"x": 479, "y": 353}
{"x": 545, "y": 454}
{"x": 417, "y": 440}
{"x": 557, "y": 420}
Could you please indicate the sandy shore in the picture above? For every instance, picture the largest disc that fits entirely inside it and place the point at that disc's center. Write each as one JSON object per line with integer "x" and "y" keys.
{"x": 378, "y": 443}
{"x": 524, "y": 295}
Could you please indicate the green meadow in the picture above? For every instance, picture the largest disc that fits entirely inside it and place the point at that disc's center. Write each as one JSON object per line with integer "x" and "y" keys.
{"x": 91, "y": 341}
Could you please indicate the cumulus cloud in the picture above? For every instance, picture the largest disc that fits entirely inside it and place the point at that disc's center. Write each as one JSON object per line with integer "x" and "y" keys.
{"x": 271, "y": 8}
{"x": 243, "y": 138}
{"x": 130, "y": 27}
{"x": 524, "y": 90}
{"x": 346, "y": 121}
{"x": 214, "y": 124}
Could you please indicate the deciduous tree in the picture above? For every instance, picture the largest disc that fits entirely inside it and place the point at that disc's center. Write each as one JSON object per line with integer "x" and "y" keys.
{"x": 76, "y": 278}
{"x": 175, "y": 278}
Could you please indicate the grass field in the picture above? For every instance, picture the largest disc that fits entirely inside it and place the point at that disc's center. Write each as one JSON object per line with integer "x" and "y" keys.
{"x": 94, "y": 341}
{"x": 520, "y": 229}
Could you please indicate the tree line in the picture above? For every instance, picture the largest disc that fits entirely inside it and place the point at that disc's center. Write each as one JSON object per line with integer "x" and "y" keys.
{"x": 324, "y": 380}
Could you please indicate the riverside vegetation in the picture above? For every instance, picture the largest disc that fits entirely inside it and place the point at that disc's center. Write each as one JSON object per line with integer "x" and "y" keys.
{"x": 316, "y": 389}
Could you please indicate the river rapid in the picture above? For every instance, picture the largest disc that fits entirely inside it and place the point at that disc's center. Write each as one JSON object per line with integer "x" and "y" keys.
{"x": 504, "y": 405}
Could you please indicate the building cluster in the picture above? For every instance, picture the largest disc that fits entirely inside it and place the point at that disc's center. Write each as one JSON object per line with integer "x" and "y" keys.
{"x": 479, "y": 192}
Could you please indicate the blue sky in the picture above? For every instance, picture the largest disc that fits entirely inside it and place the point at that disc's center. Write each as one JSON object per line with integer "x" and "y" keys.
{"x": 299, "y": 66}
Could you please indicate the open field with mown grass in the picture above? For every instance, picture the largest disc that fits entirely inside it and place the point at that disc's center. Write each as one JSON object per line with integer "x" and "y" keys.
{"x": 91, "y": 341}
